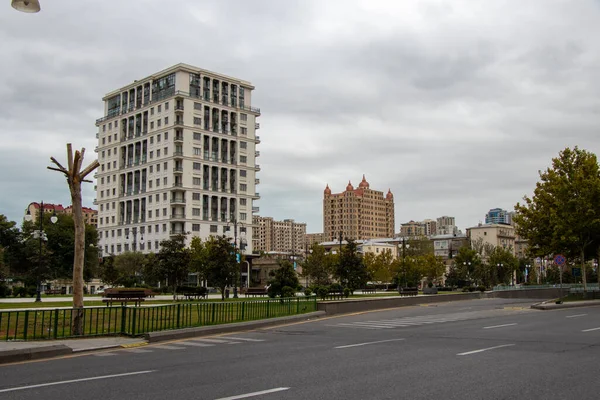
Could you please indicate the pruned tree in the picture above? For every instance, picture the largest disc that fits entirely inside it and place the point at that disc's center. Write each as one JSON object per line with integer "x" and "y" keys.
{"x": 75, "y": 177}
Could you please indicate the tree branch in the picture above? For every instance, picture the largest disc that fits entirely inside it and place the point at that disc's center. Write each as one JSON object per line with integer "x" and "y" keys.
{"x": 59, "y": 170}
{"x": 95, "y": 164}
{"x": 70, "y": 156}
{"x": 62, "y": 169}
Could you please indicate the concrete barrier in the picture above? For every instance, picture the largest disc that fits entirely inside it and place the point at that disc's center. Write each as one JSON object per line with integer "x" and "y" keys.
{"x": 358, "y": 305}
{"x": 33, "y": 353}
{"x": 185, "y": 333}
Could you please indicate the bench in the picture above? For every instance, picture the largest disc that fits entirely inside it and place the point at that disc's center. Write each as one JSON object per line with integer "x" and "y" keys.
{"x": 149, "y": 293}
{"x": 335, "y": 294}
{"x": 369, "y": 291}
{"x": 124, "y": 296}
{"x": 255, "y": 292}
{"x": 409, "y": 291}
{"x": 55, "y": 291}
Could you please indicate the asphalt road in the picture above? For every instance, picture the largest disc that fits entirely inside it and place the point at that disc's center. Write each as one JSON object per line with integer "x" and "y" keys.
{"x": 480, "y": 349}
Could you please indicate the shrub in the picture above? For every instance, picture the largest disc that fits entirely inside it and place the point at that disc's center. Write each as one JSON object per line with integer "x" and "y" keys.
{"x": 481, "y": 288}
{"x": 3, "y": 290}
{"x": 322, "y": 292}
{"x": 336, "y": 287}
{"x": 347, "y": 292}
{"x": 307, "y": 292}
{"x": 287, "y": 291}
{"x": 19, "y": 291}
{"x": 31, "y": 291}
{"x": 471, "y": 288}
{"x": 465, "y": 289}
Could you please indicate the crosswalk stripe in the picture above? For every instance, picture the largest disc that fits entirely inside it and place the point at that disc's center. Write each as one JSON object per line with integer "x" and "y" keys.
{"x": 167, "y": 347}
{"x": 244, "y": 339}
{"x": 211, "y": 340}
{"x": 196, "y": 344}
{"x": 138, "y": 351}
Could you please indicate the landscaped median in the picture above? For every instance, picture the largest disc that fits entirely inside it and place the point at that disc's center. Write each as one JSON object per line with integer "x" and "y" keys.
{"x": 134, "y": 321}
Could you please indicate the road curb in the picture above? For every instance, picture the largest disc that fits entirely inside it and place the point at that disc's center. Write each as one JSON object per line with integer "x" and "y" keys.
{"x": 34, "y": 353}
{"x": 161, "y": 336}
{"x": 574, "y": 304}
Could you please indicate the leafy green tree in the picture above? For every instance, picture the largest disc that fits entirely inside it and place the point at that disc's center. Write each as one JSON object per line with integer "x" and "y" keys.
{"x": 468, "y": 266}
{"x": 351, "y": 270}
{"x": 563, "y": 215}
{"x": 380, "y": 267}
{"x": 107, "y": 271}
{"x": 221, "y": 265}
{"x": 130, "y": 267}
{"x": 174, "y": 261}
{"x": 318, "y": 266}
{"x": 198, "y": 258}
{"x": 502, "y": 265}
{"x": 13, "y": 258}
{"x": 283, "y": 277}
{"x": 152, "y": 273}
{"x": 434, "y": 267}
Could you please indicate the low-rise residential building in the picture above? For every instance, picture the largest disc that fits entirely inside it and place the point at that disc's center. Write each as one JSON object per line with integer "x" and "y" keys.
{"x": 33, "y": 209}
{"x": 497, "y": 235}
{"x": 90, "y": 216}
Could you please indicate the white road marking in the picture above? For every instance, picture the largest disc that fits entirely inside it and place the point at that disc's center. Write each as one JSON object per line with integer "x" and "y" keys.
{"x": 196, "y": 344}
{"x": 104, "y": 354}
{"x": 73, "y": 381}
{"x": 576, "y": 315}
{"x": 367, "y": 343}
{"x": 244, "y": 339}
{"x": 167, "y": 347}
{"x": 246, "y": 395}
{"x": 211, "y": 340}
{"x": 498, "y": 326}
{"x": 138, "y": 351}
{"x": 368, "y": 326}
{"x": 482, "y": 350}
{"x": 589, "y": 330}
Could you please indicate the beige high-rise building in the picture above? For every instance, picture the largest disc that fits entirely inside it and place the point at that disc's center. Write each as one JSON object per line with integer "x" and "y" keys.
{"x": 359, "y": 214}
{"x": 412, "y": 229}
{"x": 177, "y": 153}
{"x": 312, "y": 238}
{"x": 285, "y": 236}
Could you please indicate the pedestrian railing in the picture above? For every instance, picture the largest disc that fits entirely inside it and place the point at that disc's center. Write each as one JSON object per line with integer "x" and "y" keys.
{"x": 552, "y": 286}
{"x": 133, "y": 321}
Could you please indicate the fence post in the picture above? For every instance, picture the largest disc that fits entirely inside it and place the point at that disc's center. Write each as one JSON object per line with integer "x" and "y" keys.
{"x": 243, "y": 309}
{"x": 55, "y": 333}
{"x": 25, "y": 326}
{"x": 123, "y": 318}
{"x": 297, "y": 305}
{"x": 268, "y": 306}
{"x": 133, "y": 318}
{"x": 178, "y": 315}
{"x": 213, "y": 312}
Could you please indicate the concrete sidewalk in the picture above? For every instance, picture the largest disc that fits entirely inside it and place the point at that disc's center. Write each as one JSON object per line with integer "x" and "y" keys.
{"x": 551, "y": 304}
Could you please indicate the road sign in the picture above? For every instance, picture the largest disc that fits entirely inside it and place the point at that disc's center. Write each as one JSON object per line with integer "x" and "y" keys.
{"x": 560, "y": 260}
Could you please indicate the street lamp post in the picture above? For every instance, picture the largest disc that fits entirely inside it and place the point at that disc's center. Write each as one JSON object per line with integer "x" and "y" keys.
{"x": 235, "y": 236}
{"x": 467, "y": 265}
{"x": 42, "y": 237}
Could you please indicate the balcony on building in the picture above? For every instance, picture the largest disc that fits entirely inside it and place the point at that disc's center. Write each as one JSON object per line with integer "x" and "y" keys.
{"x": 178, "y": 215}
{"x": 178, "y": 153}
{"x": 257, "y": 139}
{"x": 257, "y": 181}
{"x": 255, "y": 209}
{"x": 177, "y": 200}
{"x": 178, "y": 169}
{"x": 257, "y": 126}
{"x": 257, "y": 167}
{"x": 257, "y": 154}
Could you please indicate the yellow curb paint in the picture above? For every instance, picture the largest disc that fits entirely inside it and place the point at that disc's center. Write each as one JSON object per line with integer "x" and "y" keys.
{"x": 131, "y": 345}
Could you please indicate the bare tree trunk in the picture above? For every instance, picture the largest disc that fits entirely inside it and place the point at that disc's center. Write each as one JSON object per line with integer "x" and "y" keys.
{"x": 75, "y": 177}
{"x": 78, "y": 259}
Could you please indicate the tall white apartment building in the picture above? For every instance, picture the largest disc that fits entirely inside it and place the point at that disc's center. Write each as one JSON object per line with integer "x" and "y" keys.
{"x": 177, "y": 153}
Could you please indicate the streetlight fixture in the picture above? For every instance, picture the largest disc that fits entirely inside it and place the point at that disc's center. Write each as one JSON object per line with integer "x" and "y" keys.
{"x": 467, "y": 265}
{"x": 26, "y": 6}
{"x": 42, "y": 236}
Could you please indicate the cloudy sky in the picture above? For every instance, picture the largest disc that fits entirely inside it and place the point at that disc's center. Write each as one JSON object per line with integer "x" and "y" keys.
{"x": 454, "y": 105}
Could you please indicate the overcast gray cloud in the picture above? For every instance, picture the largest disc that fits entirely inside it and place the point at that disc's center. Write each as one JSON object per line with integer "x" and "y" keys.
{"x": 454, "y": 105}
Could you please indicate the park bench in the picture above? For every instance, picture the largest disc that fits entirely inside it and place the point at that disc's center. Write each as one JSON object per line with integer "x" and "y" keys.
{"x": 409, "y": 291}
{"x": 56, "y": 291}
{"x": 369, "y": 290}
{"x": 197, "y": 293}
{"x": 124, "y": 296}
{"x": 335, "y": 294}
{"x": 256, "y": 291}
{"x": 149, "y": 293}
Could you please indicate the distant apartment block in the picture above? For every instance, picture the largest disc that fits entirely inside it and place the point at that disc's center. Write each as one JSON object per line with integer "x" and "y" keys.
{"x": 429, "y": 227}
{"x": 358, "y": 213}
{"x": 90, "y": 216}
{"x": 312, "y": 238}
{"x": 498, "y": 216}
{"x": 446, "y": 226}
{"x": 285, "y": 236}
{"x": 412, "y": 229}
{"x": 177, "y": 154}
{"x": 498, "y": 235}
